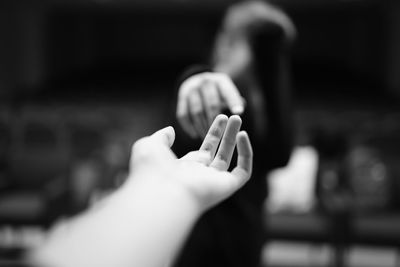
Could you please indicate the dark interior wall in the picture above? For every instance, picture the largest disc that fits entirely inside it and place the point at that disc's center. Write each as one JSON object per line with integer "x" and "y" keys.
{"x": 348, "y": 42}
{"x": 42, "y": 43}
{"x": 127, "y": 40}
{"x": 342, "y": 43}
{"x": 21, "y": 46}
{"x": 392, "y": 51}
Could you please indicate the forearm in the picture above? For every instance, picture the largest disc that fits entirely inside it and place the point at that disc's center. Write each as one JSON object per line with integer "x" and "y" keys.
{"x": 146, "y": 221}
{"x": 144, "y": 225}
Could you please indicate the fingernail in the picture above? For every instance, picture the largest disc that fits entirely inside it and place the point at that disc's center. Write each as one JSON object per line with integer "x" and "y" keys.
{"x": 237, "y": 109}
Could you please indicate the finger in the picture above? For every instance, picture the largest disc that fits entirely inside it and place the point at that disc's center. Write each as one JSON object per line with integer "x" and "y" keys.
{"x": 197, "y": 114}
{"x": 211, "y": 100}
{"x": 244, "y": 166}
{"x": 165, "y": 136}
{"x": 230, "y": 94}
{"x": 214, "y": 135}
{"x": 203, "y": 118}
{"x": 227, "y": 146}
{"x": 182, "y": 114}
{"x": 204, "y": 123}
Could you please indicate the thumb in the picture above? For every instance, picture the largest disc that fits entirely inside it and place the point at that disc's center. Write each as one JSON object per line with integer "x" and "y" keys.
{"x": 165, "y": 136}
{"x": 231, "y": 95}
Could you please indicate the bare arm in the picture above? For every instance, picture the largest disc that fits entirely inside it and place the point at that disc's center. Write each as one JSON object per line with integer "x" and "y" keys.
{"x": 146, "y": 221}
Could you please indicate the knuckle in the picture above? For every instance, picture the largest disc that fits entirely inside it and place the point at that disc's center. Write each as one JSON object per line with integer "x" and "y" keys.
{"x": 247, "y": 154}
{"x": 181, "y": 114}
{"x": 215, "y": 132}
{"x": 208, "y": 77}
{"x": 196, "y": 109}
{"x": 208, "y": 147}
{"x": 222, "y": 159}
{"x": 204, "y": 156}
{"x": 222, "y": 76}
{"x": 188, "y": 86}
{"x": 229, "y": 142}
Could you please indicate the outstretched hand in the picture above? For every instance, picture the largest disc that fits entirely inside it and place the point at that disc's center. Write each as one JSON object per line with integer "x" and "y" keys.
{"x": 203, "y": 174}
{"x": 202, "y": 97}
{"x": 155, "y": 209}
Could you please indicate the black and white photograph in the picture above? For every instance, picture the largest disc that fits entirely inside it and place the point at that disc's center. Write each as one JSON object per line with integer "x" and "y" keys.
{"x": 199, "y": 133}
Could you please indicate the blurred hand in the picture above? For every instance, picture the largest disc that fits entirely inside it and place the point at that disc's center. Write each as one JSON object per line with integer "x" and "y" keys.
{"x": 203, "y": 96}
{"x": 201, "y": 175}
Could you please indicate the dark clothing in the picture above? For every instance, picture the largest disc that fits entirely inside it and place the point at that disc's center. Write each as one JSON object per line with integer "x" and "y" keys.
{"x": 232, "y": 234}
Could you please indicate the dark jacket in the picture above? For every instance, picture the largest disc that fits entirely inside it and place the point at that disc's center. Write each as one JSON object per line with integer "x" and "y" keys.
{"x": 232, "y": 234}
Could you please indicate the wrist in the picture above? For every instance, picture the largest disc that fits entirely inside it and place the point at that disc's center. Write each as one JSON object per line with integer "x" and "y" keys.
{"x": 157, "y": 190}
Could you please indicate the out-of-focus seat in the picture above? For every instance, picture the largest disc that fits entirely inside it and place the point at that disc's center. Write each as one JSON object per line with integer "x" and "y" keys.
{"x": 36, "y": 165}
{"x": 365, "y": 209}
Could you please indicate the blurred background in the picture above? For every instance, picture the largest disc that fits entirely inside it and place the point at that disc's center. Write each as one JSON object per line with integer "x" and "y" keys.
{"x": 81, "y": 80}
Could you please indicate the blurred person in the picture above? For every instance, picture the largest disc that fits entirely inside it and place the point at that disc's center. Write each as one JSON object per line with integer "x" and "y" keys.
{"x": 146, "y": 220}
{"x": 248, "y": 74}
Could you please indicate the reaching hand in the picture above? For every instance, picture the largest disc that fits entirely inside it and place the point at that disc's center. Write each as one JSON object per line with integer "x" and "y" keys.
{"x": 155, "y": 209}
{"x": 201, "y": 174}
{"x": 202, "y": 97}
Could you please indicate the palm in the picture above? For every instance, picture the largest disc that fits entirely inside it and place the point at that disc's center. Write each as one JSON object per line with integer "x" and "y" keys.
{"x": 202, "y": 173}
{"x": 206, "y": 169}
{"x": 208, "y": 183}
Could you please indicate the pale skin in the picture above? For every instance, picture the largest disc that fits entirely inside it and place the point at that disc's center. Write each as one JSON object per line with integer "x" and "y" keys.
{"x": 146, "y": 221}
{"x": 201, "y": 97}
